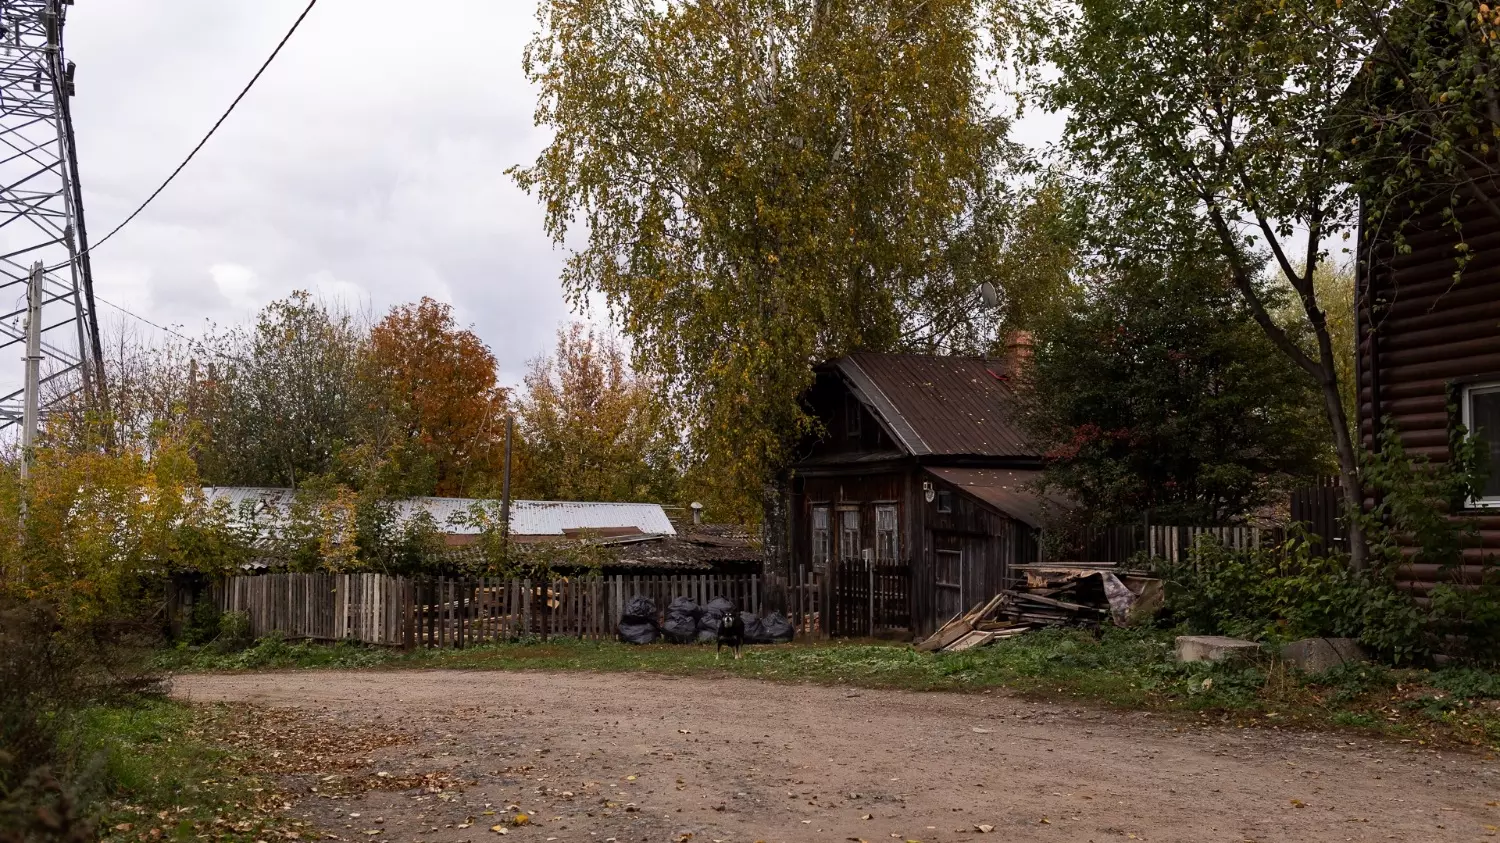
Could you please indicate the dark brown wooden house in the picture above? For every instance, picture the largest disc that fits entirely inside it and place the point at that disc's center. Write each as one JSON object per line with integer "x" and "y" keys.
{"x": 920, "y": 469}
{"x": 1429, "y": 353}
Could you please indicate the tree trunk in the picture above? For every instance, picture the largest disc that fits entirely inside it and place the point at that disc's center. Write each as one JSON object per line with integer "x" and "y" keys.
{"x": 1344, "y": 445}
{"x": 776, "y": 544}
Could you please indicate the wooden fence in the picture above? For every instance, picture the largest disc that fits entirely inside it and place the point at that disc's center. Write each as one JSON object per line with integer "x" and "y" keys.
{"x": 1118, "y": 545}
{"x": 805, "y": 601}
{"x": 451, "y": 612}
{"x": 870, "y": 598}
{"x": 1320, "y": 506}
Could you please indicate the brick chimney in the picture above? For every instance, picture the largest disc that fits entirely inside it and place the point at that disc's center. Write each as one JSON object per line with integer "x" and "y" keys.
{"x": 1015, "y": 353}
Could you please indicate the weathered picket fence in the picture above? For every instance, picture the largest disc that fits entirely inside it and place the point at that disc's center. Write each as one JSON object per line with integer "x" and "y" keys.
{"x": 459, "y": 612}
{"x": 1162, "y": 541}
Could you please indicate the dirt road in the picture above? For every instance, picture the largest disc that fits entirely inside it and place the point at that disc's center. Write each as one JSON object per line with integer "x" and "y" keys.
{"x": 600, "y": 757}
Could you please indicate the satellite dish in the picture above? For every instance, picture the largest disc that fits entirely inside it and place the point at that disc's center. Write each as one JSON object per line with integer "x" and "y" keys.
{"x": 990, "y": 295}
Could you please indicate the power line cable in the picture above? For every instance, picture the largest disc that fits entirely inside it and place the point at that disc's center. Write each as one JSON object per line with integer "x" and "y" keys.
{"x": 192, "y": 343}
{"x": 225, "y": 116}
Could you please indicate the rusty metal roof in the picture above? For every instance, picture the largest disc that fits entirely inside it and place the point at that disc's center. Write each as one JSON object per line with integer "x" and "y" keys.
{"x": 940, "y": 406}
{"x": 1010, "y": 491}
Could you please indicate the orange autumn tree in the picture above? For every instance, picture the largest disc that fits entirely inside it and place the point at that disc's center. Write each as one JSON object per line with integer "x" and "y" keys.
{"x": 440, "y": 429}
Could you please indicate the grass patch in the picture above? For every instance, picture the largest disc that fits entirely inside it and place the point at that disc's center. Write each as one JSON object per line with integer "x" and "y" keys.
{"x": 164, "y": 777}
{"x": 1125, "y": 668}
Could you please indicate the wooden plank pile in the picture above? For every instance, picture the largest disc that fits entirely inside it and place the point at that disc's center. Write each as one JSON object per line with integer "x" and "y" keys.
{"x": 1050, "y": 597}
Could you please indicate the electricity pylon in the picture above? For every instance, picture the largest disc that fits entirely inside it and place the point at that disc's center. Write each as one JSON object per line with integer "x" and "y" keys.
{"x": 41, "y": 213}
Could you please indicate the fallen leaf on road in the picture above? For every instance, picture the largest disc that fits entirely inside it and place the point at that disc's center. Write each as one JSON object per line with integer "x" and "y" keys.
{"x": 865, "y": 817}
{"x": 984, "y": 829}
{"x": 978, "y": 730}
{"x": 499, "y": 829}
{"x": 1297, "y": 803}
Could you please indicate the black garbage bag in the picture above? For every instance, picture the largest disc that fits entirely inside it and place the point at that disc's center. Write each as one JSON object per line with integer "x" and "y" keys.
{"x": 719, "y": 606}
{"x": 755, "y": 631}
{"x": 681, "y": 625}
{"x": 778, "y": 629}
{"x": 638, "y": 625}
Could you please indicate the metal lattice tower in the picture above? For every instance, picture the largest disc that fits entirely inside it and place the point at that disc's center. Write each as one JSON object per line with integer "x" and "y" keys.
{"x": 41, "y": 210}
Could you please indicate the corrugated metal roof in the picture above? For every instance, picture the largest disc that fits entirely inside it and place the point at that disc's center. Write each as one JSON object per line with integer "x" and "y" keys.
{"x": 945, "y": 406}
{"x": 453, "y": 515}
{"x": 1010, "y": 491}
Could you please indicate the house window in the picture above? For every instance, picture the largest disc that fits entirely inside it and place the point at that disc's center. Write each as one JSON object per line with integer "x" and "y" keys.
{"x": 944, "y": 501}
{"x": 852, "y": 413}
{"x": 885, "y": 534}
{"x": 849, "y": 535}
{"x": 822, "y": 539}
{"x": 1482, "y": 417}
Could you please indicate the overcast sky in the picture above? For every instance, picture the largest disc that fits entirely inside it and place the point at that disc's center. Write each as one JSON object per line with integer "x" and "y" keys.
{"x": 367, "y": 165}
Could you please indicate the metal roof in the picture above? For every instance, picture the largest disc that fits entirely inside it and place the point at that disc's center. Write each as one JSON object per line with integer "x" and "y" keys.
{"x": 940, "y": 406}
{"x": 453, "y": 515}
{"x": 1010, "y": 491}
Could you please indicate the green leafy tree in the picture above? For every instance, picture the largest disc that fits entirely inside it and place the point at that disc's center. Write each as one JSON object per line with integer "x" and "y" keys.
{"x": 591, "y": 429}
{"x": 280, "y": 403}
{"x": 1155, "y": 392}
{"x": 766, "y": 184}
{"x": 1233, "y": 117}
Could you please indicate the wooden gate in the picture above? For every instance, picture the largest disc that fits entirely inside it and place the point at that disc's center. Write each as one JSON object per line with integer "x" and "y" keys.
{"x": 870, "y": 599}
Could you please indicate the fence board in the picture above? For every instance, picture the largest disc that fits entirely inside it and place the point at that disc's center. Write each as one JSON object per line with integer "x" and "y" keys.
{"x": 450, "y": 612}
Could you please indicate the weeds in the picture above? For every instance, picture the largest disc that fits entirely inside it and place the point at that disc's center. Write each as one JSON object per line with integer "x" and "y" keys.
{"x": 1125, "y": 668}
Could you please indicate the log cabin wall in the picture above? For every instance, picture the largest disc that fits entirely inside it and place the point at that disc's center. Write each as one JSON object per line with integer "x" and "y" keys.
{"x": 1425, "y": 336}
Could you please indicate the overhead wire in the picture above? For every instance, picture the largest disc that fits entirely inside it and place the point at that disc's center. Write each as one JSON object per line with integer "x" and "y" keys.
{"x": 225, "y": 116}
{"x": 192, "y": 343}
{"x": 180, "y": 167}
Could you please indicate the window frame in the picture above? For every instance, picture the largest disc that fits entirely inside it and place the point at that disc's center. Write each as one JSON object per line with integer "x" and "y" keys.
{"x": 822, "y": 546}
{"x": 845, "y": 554}
{"x": 1466, "y": 406}
{"x": 893, "y": 532}
{"x": 944, "y": 502}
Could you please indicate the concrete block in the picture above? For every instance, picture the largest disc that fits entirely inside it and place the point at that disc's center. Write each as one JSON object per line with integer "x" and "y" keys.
{"x": 1315, "y": 655}
{"x": 1213, "y": 648}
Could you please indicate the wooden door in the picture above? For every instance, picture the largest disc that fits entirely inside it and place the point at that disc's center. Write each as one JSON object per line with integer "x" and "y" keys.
{"x": 948, "y": 568}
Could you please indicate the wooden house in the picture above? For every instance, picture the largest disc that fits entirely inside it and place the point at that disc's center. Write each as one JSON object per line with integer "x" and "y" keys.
{"x": 1429, "y": 354}
{"x": 920, "y": 469}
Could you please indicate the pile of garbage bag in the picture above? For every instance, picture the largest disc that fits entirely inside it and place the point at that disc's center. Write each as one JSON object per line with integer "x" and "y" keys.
{"x": 686, "y": 622}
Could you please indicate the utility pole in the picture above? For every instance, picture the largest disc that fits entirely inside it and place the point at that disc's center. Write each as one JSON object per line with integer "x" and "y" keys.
{"x": 32, "y": 401}
{"x": 510, "y": 429}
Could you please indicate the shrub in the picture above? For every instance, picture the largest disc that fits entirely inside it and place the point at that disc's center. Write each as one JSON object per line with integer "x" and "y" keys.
{"x": 1288, "y": 592}
{"x": 234, "y": 632}
{"x": 49, "y": 672}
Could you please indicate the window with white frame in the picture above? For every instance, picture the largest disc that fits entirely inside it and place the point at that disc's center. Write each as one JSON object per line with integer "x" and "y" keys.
{"x": 822, "y": 539}
{"x": 1481, "y": 408}
{"x": 886, "y": 545}
{"x": 849, "y": 544}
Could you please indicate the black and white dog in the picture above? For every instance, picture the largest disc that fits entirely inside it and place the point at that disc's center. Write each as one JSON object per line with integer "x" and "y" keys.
{"x": 731, "y": 634}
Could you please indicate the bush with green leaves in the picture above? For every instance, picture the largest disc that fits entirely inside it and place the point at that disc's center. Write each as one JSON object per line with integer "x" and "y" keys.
{"x": 51, "y": 668}
{"x": 1291, "y": 591}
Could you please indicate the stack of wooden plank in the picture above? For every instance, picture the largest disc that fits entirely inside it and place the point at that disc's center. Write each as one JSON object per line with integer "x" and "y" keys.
{"x": 1050, "y": 597}
{"x": 974, "y": 628}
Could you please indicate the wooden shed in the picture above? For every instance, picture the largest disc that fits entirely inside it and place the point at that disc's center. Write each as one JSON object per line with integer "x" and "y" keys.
{"x": 1429, "y": 352}
{"x": 920, "y": 473}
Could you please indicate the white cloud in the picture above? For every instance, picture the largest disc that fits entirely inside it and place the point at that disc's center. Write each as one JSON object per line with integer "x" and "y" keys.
{"x": 237, "y": 284}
